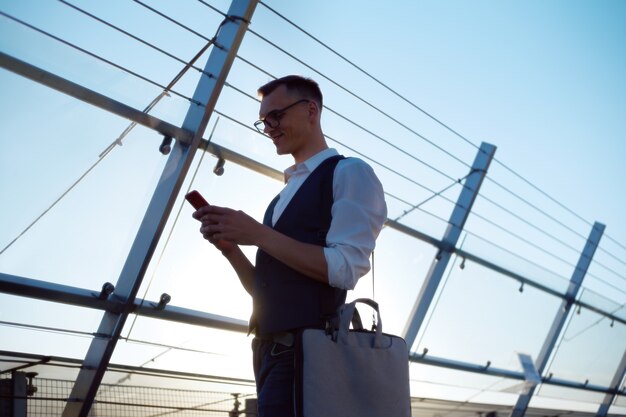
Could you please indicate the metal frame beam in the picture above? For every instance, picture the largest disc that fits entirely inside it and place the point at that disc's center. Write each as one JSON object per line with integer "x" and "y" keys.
{"x": 47, "y": 291}
{"x": 561, "y": 315}
{"x": 89, "y": 96}
{"x": 620, "y": 372}
{"x": 451, "y": 236}
{"x": 501, "y": 373}
{"x": 81, "y": 297}
{"x": 207, "y": 92}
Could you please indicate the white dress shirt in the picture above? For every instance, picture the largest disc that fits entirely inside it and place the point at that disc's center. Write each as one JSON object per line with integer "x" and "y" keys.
{"x": 358, "y": 214}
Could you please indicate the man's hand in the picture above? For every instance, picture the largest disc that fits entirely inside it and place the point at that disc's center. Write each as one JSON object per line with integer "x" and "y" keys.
{"x": 225, "y": 227}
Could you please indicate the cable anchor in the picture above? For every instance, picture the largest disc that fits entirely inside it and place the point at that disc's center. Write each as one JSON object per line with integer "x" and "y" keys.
{"x": 166, "y": 146}
{"x": 107, "y": 289}
{"x": 219, "y": 167}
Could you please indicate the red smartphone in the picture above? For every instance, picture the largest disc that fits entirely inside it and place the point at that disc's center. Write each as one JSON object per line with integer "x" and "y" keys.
{"x": 196, "y": 199}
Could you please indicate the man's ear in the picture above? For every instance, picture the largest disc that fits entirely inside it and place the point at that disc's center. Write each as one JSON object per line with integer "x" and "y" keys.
{"x": 314, "y": 110}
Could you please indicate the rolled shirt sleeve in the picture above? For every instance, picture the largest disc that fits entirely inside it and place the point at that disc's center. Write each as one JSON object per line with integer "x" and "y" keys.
{"x": 358, "y": 214}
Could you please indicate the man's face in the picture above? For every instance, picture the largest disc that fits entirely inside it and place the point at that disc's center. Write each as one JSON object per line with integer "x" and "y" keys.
{"x": 288, "y": 114}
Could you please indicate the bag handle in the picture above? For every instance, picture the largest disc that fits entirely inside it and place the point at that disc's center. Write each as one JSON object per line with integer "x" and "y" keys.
{"x": 346, "y": 313}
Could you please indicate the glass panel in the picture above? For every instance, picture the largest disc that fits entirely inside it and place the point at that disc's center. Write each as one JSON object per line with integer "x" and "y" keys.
{"x": 185, "y": 348}
{"x": 439, "y": 382}
{"x": 590, "y": 350}
{"x": 80, "y": 237}
{"x": 488, "y": 315}
{"x": 30, "y": 325}
{"x": 400, "y": 266}
{"x": 190, "y": 269}
{"x": 116, "y": 64}
{"x": 600, "y": 281}
{"x": 581, "y": 399}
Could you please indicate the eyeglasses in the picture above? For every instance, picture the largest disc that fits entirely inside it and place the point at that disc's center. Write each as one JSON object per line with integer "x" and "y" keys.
{"x": 272, "y": 119}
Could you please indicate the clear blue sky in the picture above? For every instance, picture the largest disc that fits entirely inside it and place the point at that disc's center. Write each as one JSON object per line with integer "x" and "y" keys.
{"x": 543, "y": 81}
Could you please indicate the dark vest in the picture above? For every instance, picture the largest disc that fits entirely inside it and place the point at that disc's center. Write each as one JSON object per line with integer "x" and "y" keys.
{"x": 285, "y": 299}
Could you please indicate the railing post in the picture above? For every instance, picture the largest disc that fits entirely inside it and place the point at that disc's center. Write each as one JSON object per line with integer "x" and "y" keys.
{"x": 561, "y": 315}
{"x": 207, "y": 91}
{"x": 451, "y": 236}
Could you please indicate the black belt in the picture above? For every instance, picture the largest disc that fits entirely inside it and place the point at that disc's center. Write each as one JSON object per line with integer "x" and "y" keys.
{"x": 284, "y": 338}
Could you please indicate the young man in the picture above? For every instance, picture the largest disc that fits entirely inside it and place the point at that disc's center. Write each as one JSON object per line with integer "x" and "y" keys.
{"x": 314, "y": 243}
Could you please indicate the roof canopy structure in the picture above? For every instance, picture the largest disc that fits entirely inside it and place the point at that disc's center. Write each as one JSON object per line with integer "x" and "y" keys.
{"x": 510, "y": 301}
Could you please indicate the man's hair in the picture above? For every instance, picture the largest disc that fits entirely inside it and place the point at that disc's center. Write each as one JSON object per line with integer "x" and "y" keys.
{"x": 305, "y": 87}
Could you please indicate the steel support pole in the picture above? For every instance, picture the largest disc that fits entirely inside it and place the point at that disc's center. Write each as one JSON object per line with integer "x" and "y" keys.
{"x": 561, "y": 315}
{"x": 451, "y": 236}
{"x": 207, "y": 92}
{"x": 19, "y": 395}
{"x": 620, "y": 372}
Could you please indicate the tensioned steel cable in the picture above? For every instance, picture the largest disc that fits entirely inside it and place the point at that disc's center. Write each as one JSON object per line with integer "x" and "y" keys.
{"x": 511, "y": 213}
{"x": 562, "y": 224}
{"x": 606, "y": 268}
{"x": 232, "y": 119}
{"x": 536, "y": 208}
{"x": 102, "y": 155}
{"x": 365, "y": 130}
{"x": 620, "y": 260}
{"x": 548, "y": 234}
{"x": 527, "y": 222}
{"x": 438, "y": 296}
{"x": 368, "y": 131}
{"x": 156, "y": 48}
{"x": 215, "y": 9}
{"x": 98, "y": 57}
{"x": 528, "y": 242}
{"x": 544, "y": 213}
{"x": 597, "y": 278}
{"x": 394, "y": 92}
{"x": 421, "y": 203}
{"x": 356, "y": 152}
{"x": 187, "y": 28}
{"x": 447, "y": 127}
{"x": 445, "y": 198}
{"x": 171, "y": 231}
{"x": 536, "y": 264}
{"x": 435, "y": 193}
{"x": 345, "y": 118}
{"x": 62, "y": 362}
{"x": 445, "y": 221}
{"x": 253, "y": 65}
{"x": 359, "y": 98}
{"x": 594, "y": 324}
{"x": 379, "y": 82}
{"x": 536, "y": 247}
{"x": 518, "y": 256}
{"x": 563, "y": 339}
{"x": 428, "y": 189}
{"x": 50, "y": 329}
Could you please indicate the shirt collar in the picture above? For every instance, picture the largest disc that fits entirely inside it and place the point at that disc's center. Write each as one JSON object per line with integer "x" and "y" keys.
{"x": 310, "y": 164}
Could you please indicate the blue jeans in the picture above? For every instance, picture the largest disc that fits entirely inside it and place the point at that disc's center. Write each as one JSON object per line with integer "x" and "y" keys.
{"x": 274, "y": 366}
